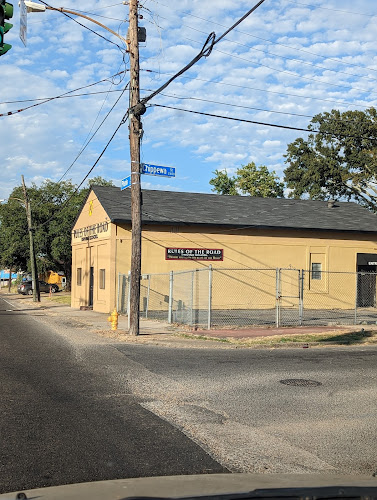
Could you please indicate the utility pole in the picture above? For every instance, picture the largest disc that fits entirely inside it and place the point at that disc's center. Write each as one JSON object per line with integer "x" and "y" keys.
{"x": 135, "y": 129}
{"x": 34, "y": 276}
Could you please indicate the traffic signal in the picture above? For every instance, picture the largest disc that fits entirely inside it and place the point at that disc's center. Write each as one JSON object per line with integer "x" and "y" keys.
{"x": 6, "y": 12}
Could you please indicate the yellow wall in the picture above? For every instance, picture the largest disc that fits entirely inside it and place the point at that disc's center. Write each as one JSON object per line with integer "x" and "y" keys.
{"x": 245, "y": 248}
{"x": 258, "y": 249}
{"x": 93, "y": 247}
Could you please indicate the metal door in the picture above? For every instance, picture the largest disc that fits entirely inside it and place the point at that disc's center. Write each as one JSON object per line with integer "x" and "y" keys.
{"x": 91, "y": 286}
{"x": 366, "y": 286}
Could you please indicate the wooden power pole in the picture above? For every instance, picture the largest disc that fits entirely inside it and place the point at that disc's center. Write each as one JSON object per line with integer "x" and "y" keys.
{"x": 34, "y": 274}
{"x": 135, "y": 129}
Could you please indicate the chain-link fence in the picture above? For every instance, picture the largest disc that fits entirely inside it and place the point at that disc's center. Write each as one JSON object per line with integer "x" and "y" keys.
{"x": 220, "y": 298}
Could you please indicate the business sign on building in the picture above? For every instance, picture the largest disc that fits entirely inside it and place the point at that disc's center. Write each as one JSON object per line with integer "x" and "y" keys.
{"x": 91, "y": 232}
{"x": 194, "y": 254}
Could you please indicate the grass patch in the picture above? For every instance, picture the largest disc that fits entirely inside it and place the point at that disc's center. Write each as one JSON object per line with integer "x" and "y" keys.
{"x": 344, "y": 338}
{"x": 60, "y": 299}
{"x": 202, "y": 337}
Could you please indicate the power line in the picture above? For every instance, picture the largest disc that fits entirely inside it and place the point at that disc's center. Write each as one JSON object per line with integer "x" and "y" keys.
{"x": 84, "y": 26}
{"x": 233, "y": 119}
{"x": 274, "y": 42}
{"x": 307, "y": 63}
{"x": 233, "y": 105}
{"x": 344, "y": 103}
{"x": 62, "y": 207}
{"x": 48, "y": 99}
{"x": 333, "y": 10}
{"x": 245, "y": 107}
{"x": 287, "y": 127}
{"x": 87, "y": 142}
{"x": 97, "y": 15}
{"x": 290, "y": 72}
{"x": 174, "y": 96}
{"x": 205, "y": 52}
{"x": 104, "y": 7}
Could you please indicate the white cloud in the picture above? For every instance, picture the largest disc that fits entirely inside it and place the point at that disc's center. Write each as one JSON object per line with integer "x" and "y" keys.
{"x": 271, "y": 144}
{"x": 256, "y": 72}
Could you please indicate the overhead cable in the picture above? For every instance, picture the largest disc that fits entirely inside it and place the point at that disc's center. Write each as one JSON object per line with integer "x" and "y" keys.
{"x": 205, "y": 52}
{"x": 66, "y": 94}
{"x": 87, "y": 142}
{"x": 307, "y": 63}
{"x": 329, "y": 8}
{"x": 290, "y": 72}
{"x": 347, "y": 63}
{"x": 63, "y": 205}
{"x": 233, "y": 105}
{"x": 342, "y": 103}
{"x": 84, "y": 26}
{"x": 287, "y": 127}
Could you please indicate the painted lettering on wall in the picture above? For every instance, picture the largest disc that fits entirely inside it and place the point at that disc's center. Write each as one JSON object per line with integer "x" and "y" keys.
{"x": 91, "y": 232}
{"x": 194, "y": 254}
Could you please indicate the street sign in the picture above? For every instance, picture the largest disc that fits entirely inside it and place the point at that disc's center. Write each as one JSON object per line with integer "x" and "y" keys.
{"x": 125, "y": 183}
{"x": 148, "y": 169}
{"x": 23, "y": 21}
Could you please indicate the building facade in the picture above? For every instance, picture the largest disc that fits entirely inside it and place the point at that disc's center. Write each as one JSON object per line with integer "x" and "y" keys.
{"x": 182, "y": 231}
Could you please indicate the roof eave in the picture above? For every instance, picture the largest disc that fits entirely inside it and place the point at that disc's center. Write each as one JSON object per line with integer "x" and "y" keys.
{"x": 241, "y": 226}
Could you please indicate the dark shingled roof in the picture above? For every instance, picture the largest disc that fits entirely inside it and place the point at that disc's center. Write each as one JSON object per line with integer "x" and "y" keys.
{"x": 174, "y": 208}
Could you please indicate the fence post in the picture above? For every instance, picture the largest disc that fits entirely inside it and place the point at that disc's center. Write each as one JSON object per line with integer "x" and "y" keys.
{"x": 209, "y": 295}
{"x": 170, "y": 312}
{"x": 301, "y": 297}
{"x": 118, "y": 290}
{"x": 355, "y": 318}
{"x": 129, "y": 298}
{"x": 148, "y": 291}
{"x": 277, "y": 321}
{"x": 192, "y": 297}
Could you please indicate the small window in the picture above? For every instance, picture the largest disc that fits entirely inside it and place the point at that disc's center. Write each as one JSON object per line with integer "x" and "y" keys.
{"x": 316, "y": 271}
{"x": 102, "y": 279}
{"x": 79, "y": 276}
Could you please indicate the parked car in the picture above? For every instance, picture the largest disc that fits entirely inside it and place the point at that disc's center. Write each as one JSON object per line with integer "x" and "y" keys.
{"x": 26, "y": 287}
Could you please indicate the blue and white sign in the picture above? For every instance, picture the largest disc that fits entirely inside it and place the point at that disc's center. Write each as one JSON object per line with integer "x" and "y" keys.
{"x": 148, "y": 169}
{"x": 23, "y": 21}
{"x": 125, "y": 183}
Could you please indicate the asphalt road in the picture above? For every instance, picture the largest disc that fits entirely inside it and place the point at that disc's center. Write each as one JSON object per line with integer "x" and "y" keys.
{"x": 68, "y": 414}
{"x": 235, "y": 404}
{"x": 80, "y": 407}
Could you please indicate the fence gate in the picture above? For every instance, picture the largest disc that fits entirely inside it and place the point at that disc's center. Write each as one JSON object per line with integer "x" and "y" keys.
{"x": 288, "y": 297}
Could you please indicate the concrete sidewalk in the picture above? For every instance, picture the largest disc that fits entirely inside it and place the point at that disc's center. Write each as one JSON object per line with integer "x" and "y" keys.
{"x": 151, "y": 331}
{"x": 95, "y": 319}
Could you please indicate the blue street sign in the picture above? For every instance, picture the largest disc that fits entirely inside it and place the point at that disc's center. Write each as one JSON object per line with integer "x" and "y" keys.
{"x": 125, "y": 183}
{"x": 148, "y": 169}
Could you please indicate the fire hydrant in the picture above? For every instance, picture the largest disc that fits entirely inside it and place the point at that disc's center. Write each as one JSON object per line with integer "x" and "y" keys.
{"x": 113, "y": 318}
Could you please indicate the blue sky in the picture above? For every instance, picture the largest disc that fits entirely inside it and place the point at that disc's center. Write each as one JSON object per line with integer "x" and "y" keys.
{"x": 287, "y": 57}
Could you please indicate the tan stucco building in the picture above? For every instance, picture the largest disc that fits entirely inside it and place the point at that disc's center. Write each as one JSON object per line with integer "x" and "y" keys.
{"x": 191, "y": 230}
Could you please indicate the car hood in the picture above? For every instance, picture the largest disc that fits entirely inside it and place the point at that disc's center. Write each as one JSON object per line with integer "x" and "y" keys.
{"x": 218, "y": 485}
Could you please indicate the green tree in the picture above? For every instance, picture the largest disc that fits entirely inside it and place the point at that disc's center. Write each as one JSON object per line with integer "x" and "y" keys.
{"x": 251, "y": 180}
{"x": 223, "y": 184}
{"x": 14, "y": 247}
{"x": 54, "y": 206}
{"x": 338, "y": 161}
